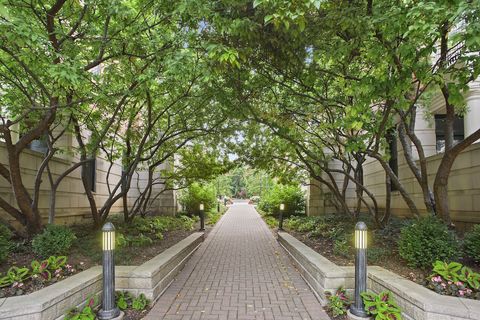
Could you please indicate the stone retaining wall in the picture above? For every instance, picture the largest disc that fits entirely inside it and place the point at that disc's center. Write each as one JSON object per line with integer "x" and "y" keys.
{"x": 150, "y": 278}
{"x": 416, "y": 301}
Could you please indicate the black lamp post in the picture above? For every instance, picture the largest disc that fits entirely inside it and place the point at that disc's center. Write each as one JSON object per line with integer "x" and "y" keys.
{"x": 109, "y": 310}
{"x": 358, "y": 308}
{"x": 280, "y": 222}
{"x": 202, "y": 217}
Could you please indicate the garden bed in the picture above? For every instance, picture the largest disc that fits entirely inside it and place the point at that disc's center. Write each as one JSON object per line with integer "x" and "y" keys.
{"x": 415, "y": 301}
{"x": 79, "y": 294}
{"x": 389, "y": 259}
{"x": 86, "y": 252}
{"x": 332, "y": 237}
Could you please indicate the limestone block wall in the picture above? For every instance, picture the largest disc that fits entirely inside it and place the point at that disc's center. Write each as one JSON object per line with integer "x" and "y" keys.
{"x": 464, "y": 189}
{"x": 71, "y": 203}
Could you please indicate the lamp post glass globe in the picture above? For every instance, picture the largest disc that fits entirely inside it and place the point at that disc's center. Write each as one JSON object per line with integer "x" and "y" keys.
{"x": 109, "y": 309}
{"x": 358, "y": 308}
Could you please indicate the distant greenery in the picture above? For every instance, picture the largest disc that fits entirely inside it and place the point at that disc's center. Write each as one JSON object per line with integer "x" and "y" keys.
{"x": 244, "y": 182}
{"x": 195, "y": 194}
{"x": 291, "y": 195}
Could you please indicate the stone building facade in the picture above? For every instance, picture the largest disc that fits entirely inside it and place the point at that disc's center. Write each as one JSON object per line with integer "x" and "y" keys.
{"x": 464, "y": 181}
{"x": 71, "y": 202}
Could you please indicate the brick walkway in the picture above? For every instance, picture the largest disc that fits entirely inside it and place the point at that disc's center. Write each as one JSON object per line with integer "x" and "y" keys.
{"x": 239, "y": 272}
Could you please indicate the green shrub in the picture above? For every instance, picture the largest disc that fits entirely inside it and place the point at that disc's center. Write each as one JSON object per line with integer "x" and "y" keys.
{"x": 303, "y": 224}
{"x": 271, "y": 221}
{"x": 6, "y": 243}
{"x": 53, "y": 241}
{"x": 291, "y": 195}
{"x": 425, "y": 241}
{"x": 472, "y": 243}
{"x": 213, "y": 217}
{"x": 195, "y": 194}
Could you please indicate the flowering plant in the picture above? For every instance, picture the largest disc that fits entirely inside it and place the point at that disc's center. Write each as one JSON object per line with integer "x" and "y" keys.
{"x": 338, "y": 302}
{"x": 18, "y": 281}
{"x": 381, "y": 306}
{"x": 453, "y": 279}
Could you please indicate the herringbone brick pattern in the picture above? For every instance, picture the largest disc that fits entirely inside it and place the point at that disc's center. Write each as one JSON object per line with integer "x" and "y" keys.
{"x": 239, "y": 272}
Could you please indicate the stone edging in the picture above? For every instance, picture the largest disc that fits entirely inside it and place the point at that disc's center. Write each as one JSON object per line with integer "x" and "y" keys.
{"x": 150, "y": 278}
{"x": 416, "y": 301}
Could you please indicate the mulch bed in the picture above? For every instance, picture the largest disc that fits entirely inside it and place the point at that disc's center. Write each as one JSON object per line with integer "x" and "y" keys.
{"x": 136, "y": 315}
{"x": 343, "y": 317}
{"x": 85, "y": 254}
{"x": 391, "y": 262}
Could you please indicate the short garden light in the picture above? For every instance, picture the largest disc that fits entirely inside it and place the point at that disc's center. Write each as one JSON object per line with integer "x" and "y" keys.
{"x": 202, "y": 217}
{"x": 280, "y": 222}
{"x": 358, "y": 308}
{"x": 109, "y": 310}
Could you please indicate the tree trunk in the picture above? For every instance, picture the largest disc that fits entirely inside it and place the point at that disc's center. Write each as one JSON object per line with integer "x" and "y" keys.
{"x": 440, "y": 185}
{"x": 405, "y": 195}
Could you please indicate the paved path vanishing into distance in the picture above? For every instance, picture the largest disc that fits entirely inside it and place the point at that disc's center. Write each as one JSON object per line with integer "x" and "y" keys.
{"x": 239, "y": 272}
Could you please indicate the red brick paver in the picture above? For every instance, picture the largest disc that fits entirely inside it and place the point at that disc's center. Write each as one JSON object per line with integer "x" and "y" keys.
{"x": 239, "y": 272}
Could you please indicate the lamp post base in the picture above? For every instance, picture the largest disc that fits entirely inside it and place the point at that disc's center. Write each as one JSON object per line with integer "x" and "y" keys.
{"x": 354, "y": 314}
{"x": 114, "y": 314}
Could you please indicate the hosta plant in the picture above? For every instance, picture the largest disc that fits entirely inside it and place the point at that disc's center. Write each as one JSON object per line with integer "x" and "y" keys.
{"x": 381, "y": 306}
{"x": 448, "y": 271}
{"x": 86, "y": 313}
{"x": 41, "y": 268}
{"x": 125, "y": 300}
{"x": 454, "y": 279}
{"x": 14, "y": 275}
{"x": 338, "y": 302}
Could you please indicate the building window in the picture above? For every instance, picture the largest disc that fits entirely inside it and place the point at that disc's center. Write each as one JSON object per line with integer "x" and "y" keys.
{"x": 393, "y": 152}
{"x": 91, "y": 175}
{"x": 458, "y": 131}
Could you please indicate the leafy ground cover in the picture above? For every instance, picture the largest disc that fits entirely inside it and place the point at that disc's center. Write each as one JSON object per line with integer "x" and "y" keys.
{"x": 25, "y": 271}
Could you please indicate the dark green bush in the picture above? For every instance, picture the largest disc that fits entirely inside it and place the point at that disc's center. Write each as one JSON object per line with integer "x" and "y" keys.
{"x": 55, "y": 240}
{"x": 195, "y": 194}
{"x": 6, "y": 243}
{"x": 472, "y": 243}
{"x": 291, "y": 195}
{"x": 425, "y": 241}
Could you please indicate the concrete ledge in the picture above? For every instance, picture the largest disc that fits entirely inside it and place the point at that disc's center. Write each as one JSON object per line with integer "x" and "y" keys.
{"x": 416, "y": 301}
{"x": 155, "y": 275}
{"x": 150, "y": 278}
{"x": 319, "y": 272}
